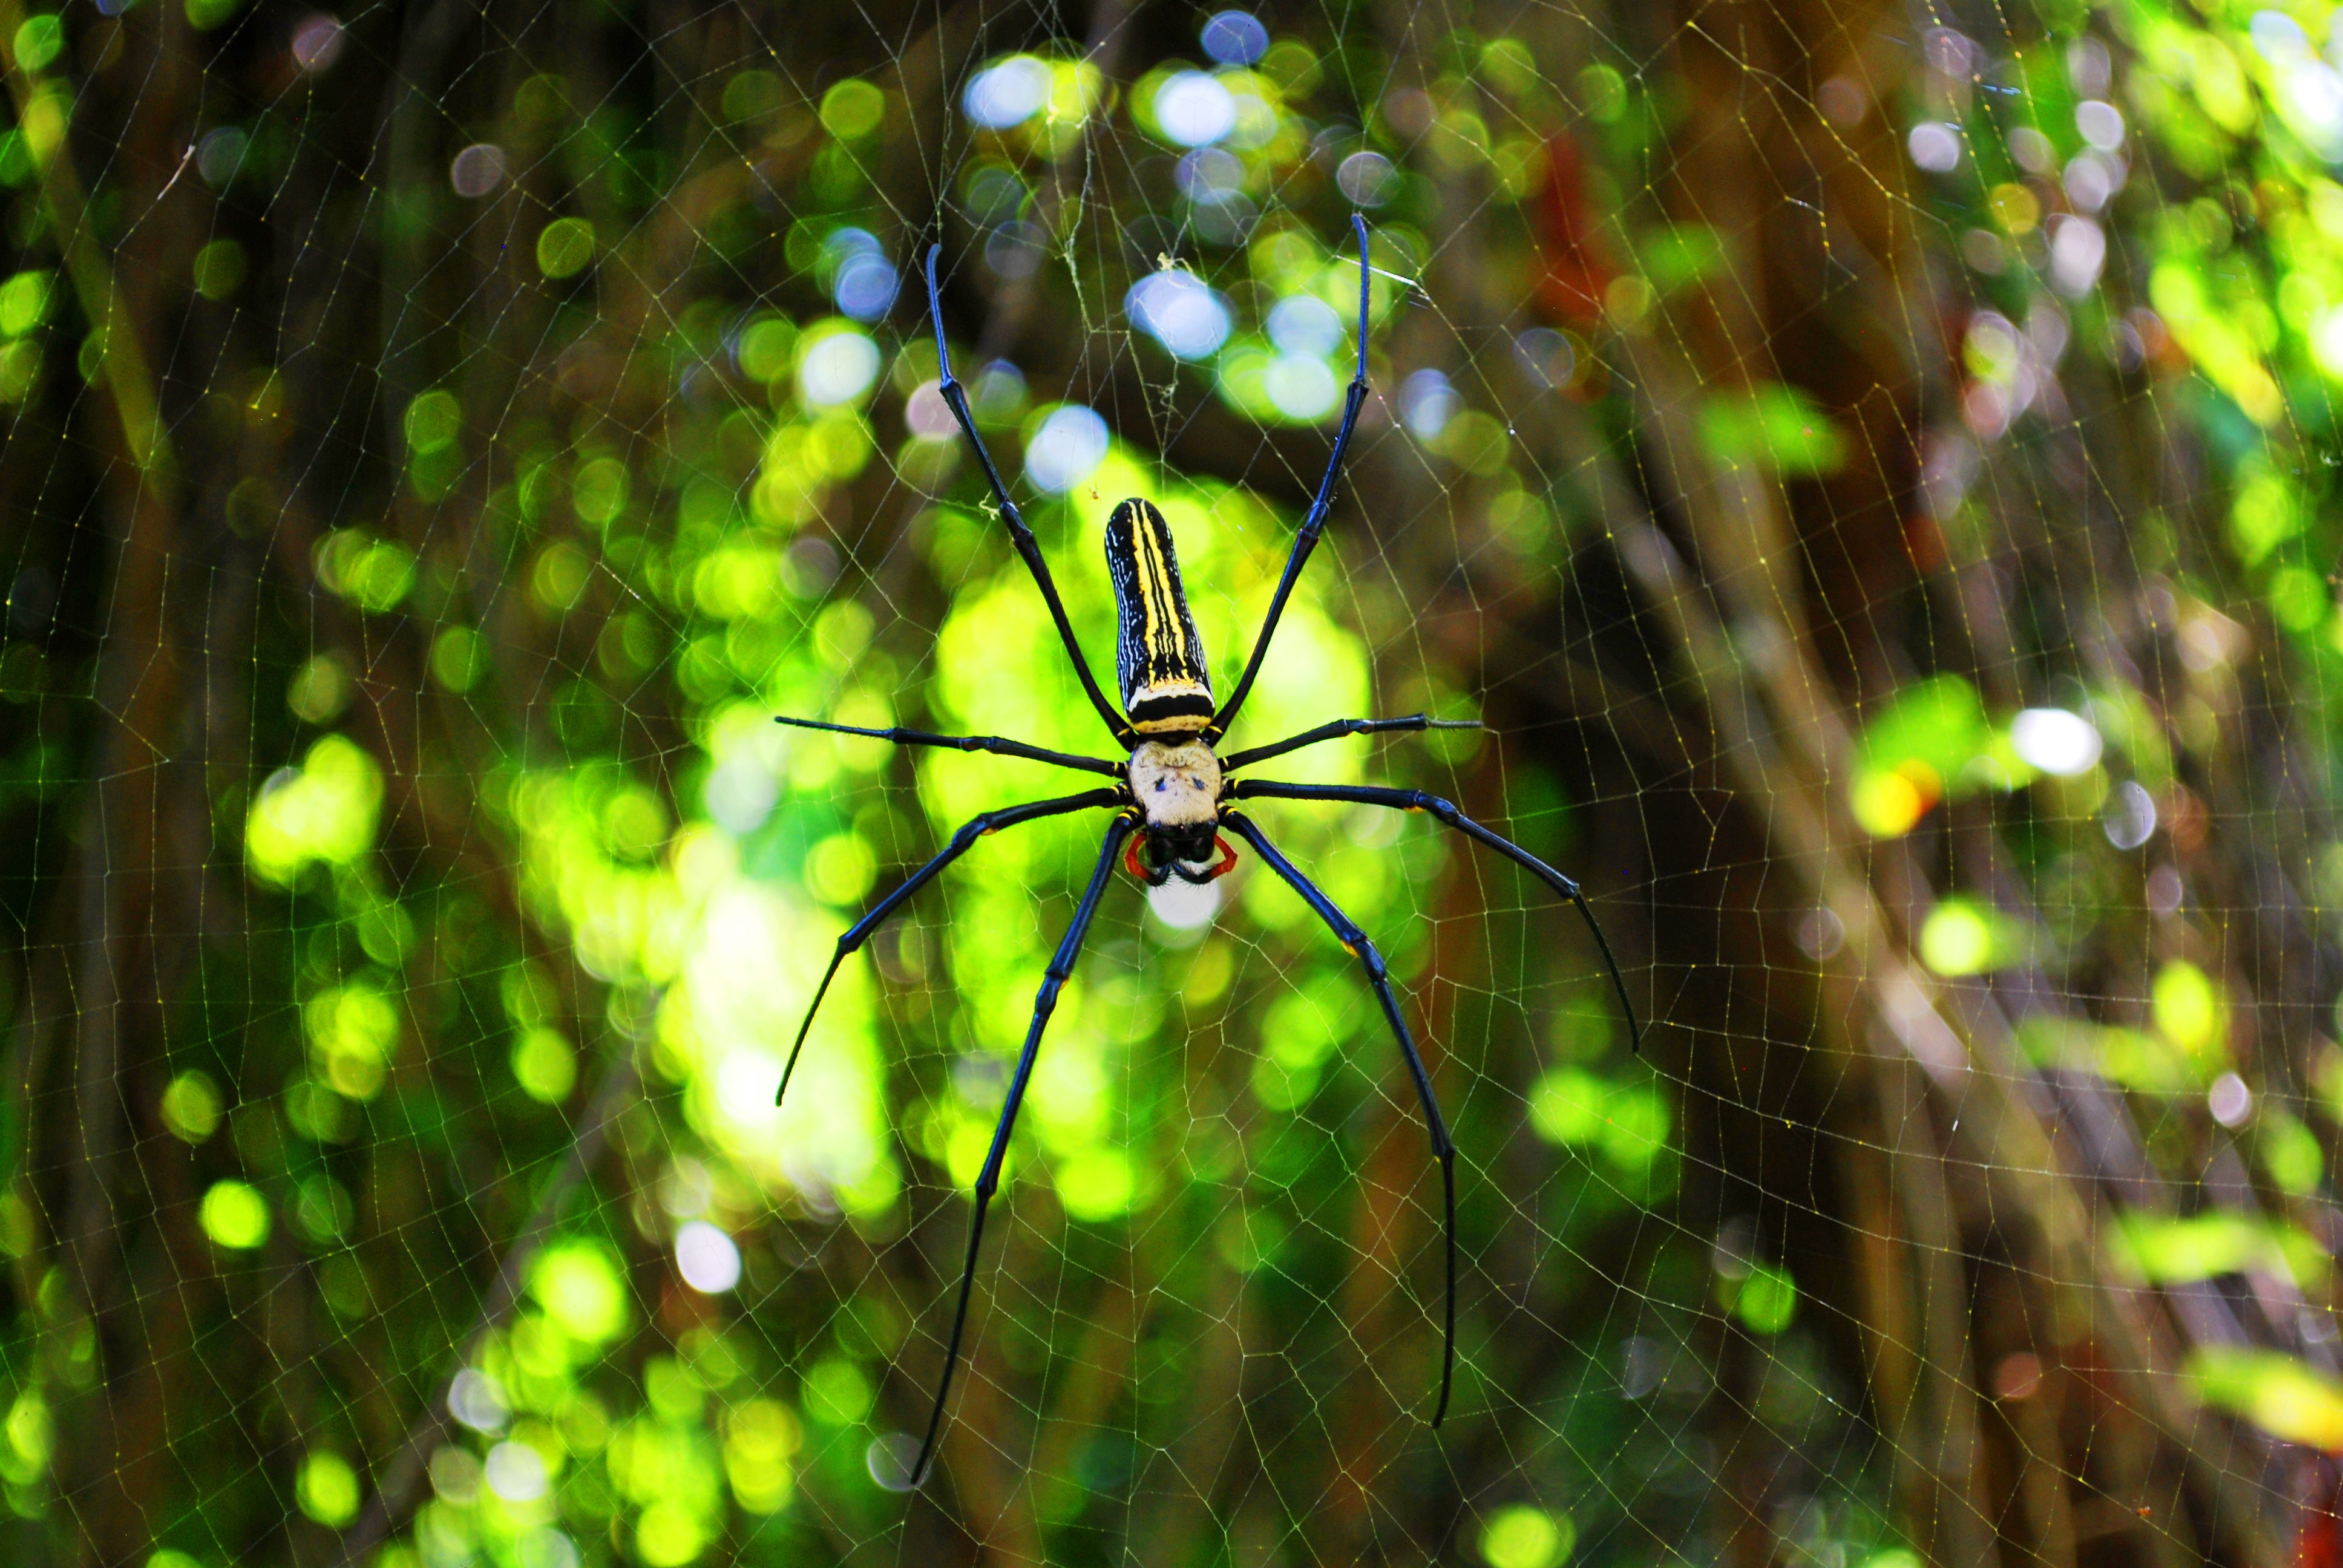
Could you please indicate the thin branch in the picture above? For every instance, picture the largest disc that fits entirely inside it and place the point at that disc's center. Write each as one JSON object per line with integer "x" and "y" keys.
{"x": 128, "y": 381}
{"x": 1783, "y": 739}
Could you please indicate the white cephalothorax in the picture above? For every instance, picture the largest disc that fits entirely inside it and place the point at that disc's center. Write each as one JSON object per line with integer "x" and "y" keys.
{"x": 1176, "y": 785}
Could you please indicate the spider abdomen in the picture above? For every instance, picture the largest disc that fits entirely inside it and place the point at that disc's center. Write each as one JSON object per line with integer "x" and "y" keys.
{"x": 1165, "y": 688}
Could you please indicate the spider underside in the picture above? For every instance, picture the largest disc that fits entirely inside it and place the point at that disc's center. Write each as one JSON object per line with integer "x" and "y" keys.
{"x": 1172, "y": 798}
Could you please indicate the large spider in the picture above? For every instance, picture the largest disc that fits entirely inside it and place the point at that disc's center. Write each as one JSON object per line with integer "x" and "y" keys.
{"x": 1171, "y": 796}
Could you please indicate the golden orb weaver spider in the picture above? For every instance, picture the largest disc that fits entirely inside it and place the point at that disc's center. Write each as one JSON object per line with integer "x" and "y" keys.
{"x": 1171, "y": 795}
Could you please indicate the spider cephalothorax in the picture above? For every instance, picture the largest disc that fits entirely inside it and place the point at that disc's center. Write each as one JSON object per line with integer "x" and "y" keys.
{"x": 1176, "y": 783}
{"x": 1174, "y": 794}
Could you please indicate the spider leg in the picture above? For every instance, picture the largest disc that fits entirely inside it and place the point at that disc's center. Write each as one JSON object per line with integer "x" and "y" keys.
{"x": 1020, "y": 535}
{"x": 962, "y": 841}
{"x": 1334, "y": 730}
{"x": 987, "y": 1181}
{"x": 1443, "y": 1147}
{"x": 995, "y": 744}
{"x": 1417, "y": 801}
{"x": 1312, "y": 526}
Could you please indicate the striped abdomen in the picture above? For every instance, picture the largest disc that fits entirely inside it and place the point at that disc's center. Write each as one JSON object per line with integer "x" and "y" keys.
{"x": 1162, "y": 660}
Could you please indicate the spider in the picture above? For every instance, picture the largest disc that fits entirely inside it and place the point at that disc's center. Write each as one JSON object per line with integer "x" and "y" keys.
{"x": 1172, "y": 795}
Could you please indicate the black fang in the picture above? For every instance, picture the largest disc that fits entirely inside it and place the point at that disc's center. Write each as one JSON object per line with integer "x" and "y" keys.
{"x": 1165, "y": 688}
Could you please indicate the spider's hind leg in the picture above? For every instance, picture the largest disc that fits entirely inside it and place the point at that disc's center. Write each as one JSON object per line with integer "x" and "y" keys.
{"x": 962, "y": 842}
{"x": 987, "y": 1181}
{"x": 1443, "y": 1147}
{"x": 1419, "y": 800}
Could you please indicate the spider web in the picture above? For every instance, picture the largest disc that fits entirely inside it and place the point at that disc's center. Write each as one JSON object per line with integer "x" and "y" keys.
{"x": 1865, "y": 468}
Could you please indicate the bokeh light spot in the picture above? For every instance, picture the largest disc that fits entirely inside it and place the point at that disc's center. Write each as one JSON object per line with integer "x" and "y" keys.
{"x": 1066, "y": 449}
{"x": 1180, "y": 311}
{"x": 1194, "y": 110}
{"x": 235, "y": 1215}
{"x": 707, "y": 1258}
{"x": 1008, "y": 93}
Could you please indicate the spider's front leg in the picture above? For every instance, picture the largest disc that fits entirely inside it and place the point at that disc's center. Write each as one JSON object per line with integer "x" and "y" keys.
{"x": 1320, "y": 505}
{"x": 1020, "y": 536}
{"x": 1335, "y": 730}
{"x": 1000, "y": 746}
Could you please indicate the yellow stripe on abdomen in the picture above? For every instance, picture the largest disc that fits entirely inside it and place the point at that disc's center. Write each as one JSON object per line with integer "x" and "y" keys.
{"x": 1160, "y": 655}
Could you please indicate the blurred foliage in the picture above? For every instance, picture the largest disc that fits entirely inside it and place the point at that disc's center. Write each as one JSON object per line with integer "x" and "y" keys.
{"x": 512, "y": 823}
{"x": 506, "y": 447}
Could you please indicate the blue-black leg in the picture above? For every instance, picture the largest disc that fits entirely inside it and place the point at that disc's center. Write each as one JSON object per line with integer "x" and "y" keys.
{"x": 1335, "y": 730}
{"x": 1020, "y": 535}
{"x": 1315, "y": 523}
{"x": 1417, "y": 801}
{"x": 1443, "y": 1147}
{"x": 962, "y": 842}
{"x": 987, "y": 1181}
{"x": 995, "y": 744}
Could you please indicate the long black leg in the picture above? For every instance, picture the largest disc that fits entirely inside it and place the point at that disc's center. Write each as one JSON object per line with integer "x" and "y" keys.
{"x": 1314, "y": 524}
{"x": 1354, "y": 942}
{"x": 1335, "y": 730}
{"x": 992, "y": 743}
{"x": 1020, "y": 535}
{"x": 962, "y": 841}
{"x": 988, "y": 1181}
{"x": 1417, "y": 800}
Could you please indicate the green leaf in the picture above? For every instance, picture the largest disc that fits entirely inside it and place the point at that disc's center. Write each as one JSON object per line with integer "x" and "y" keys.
{"x": 2168, "y": 1252}
{"x": 2285, "y": 1397}
{"x": 1939, "y": 722}
{"x": 2188, "y": 1011}
{"x": 204, "y": 15}
{"x": 1767, "y": 1300}
{"x": 565, "y": 247}
{"x": 434, "y": 419}
{"x": 1775, "y": 429}
{"x": 2269, "y": 511}
{"x": 235, "y": 1215}
{"x": 2183, "y": 1251}
{"x": 1931, "y": 740}
{"x": 578, "y": 1284}
{"x": 1965, "y": 937}
{"x": 2289, "y": 1152}
{"x": 1523, "y": 1536}
{"x": 23, "y": 302}
{"x": 2141, "y": 1063}
{"x": 373, "y": 573}
{"x": 1681, "y": 253}
{"x": 327, "y": 1488}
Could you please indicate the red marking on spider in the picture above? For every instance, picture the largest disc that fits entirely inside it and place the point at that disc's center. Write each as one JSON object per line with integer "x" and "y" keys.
{"x": 1227, "y": 862}
{"x": 1228, "y": 859}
